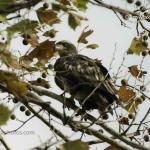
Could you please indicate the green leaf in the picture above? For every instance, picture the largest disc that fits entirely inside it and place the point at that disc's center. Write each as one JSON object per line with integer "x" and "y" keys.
{"x": 75, "y": 145}
{"x": 5, "y": 3}
{"x": 92, "y": 46}
{"x": 4, "y": 114}
{"x": 73, "y": 21}
{"x": 2, "y": 18}
{"x": 80, "y": 4}
{"x": 27, "y": 26}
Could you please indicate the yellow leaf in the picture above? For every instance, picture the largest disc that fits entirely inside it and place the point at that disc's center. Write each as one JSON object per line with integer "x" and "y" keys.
{"x": 7, "y": 76}
{"x": 13, "y": 84}
{"x": 17, "y": 88}
{"x": 132, "y": 106}
{"x": 137, "y": 46}
{"x": 75, "y": 145}
{"x": 135, "y": 71}
{"x": 4, "y": 114}
{"x": 125, "y": 94}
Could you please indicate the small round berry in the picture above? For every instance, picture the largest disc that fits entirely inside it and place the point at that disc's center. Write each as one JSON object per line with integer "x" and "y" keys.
{"x": 22, "y": 108}
{"x": 131, "y": 116}
{"x": 25, "y": 42}
{"x": 45, "y": 5}
{"x": 12, "y": 117}
{"x": 124, "y": 82}
{"x": 27, "y": 112}
{"x": 138, "y": 3}
{"x": 146, "y": 14}
{"x": 39, "y": 80}
{"x": 146, "y": 138}
{"x": 145, "y": 37}
{"x": 105, "y": 116}
{"x": 142, "y": 8}
{"x": 15, "y": 100}
{"x": 144, "y": 53}
{"x": 43, "y": 75}
{"x": 130, "y": 1}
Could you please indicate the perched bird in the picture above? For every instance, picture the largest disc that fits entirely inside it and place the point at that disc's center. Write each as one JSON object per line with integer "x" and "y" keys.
{"x": 85, "y": 79}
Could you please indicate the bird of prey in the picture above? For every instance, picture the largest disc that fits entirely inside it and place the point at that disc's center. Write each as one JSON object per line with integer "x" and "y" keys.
{"x": 85, "y": 79}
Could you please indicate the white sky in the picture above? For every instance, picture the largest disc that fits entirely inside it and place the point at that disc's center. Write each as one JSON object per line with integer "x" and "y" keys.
{"x": 107, "y": 32}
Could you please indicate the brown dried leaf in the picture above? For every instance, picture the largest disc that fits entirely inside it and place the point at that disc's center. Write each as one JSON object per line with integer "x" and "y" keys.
{"x": 40, "y": 82}
{"x": 9, "y": 59}
{"x": 135, "y": 71}
{"x": 33, "y": 40}
{"x": 125, "y": 94}
{"x": 124, "y": 120}
{"x": 112, "y": 148}
{"x": 84, "y": 35}
{"x": 48, "y": 16}
{"x": 65, "y": 2}
{"x": 43, "y": 52}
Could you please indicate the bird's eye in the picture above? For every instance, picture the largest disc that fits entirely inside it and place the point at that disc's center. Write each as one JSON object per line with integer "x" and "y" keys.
{"x": 59, "y": 47}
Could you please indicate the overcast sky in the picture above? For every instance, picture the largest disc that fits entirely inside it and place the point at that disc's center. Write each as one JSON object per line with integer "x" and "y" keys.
{"x": 107, "y": 32}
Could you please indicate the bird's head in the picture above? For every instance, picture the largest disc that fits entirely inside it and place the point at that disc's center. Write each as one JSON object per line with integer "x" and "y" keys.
{"x": 65, "y": 48}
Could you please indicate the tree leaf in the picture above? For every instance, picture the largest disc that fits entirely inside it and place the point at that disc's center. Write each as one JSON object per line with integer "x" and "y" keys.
{"x": 124, "y": 120}
{"x": 47, "y": 16}
{"x": 112, "y": 148}
{"x": 17, "y": 87}
{"x": 9, "y": 59}
{"x": 132, "y": 106}
{"x": 40, "y": 82}
{"x": 27, "y": 26}
{"x": 137, "y": 46}
{"x": 43, "y": 52}
{"x": 125, "y": 94}
{"x": 5, "y": 113}
{"x": 65, "y": 2}
{"x": 84, "y": 35}
{"x": 75, "y": 145}
{"x": 92, "y": 46}
{"x": 73, "y": 21}
{"x": 51, "y": 33}
{"x": 80, "y": 4}
{"x": 135, "y": 71}
{"x": 4, "y": 4}
{"x": 33, "y": 40}
{"x": 2, "y": 18}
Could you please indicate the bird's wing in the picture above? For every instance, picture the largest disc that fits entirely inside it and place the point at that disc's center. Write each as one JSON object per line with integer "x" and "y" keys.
{"x": 83, "y": 69}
